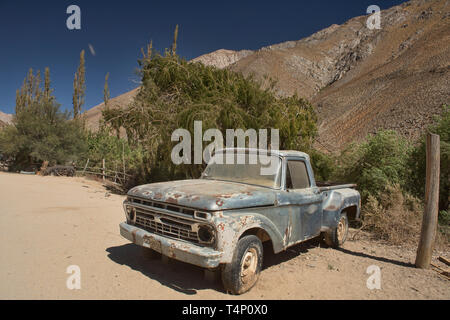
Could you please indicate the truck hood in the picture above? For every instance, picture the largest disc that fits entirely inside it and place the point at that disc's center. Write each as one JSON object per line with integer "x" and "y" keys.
{"x": 211, "y": 195}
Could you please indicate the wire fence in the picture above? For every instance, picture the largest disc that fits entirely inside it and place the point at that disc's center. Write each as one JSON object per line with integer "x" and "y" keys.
{"x": 115, "y": 176}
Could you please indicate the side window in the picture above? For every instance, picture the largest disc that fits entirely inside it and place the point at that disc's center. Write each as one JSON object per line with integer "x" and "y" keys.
{"x": 296, "y": 175}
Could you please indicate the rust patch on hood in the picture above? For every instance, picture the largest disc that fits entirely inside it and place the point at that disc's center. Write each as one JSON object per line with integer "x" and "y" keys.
{"x": 211, "y": 195}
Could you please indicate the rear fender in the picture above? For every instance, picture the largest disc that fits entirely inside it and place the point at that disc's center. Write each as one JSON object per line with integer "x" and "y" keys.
{"x": 337, "y": 201}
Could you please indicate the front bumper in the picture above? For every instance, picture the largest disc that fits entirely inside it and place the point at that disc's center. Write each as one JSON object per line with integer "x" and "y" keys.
{"x": 176, "y": 249}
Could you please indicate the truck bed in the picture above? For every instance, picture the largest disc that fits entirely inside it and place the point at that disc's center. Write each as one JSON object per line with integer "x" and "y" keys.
{"x": 327, "y": 185}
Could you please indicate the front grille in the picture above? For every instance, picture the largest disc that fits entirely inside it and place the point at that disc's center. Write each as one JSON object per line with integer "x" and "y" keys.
{"x": 166, "y": 225}
{"x": 161, "y": 205}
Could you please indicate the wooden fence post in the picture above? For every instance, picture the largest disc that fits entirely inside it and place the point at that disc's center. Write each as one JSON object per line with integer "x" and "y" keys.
{"x": 103, "y": 169}
{"x": 123, "y": 160}
{"x": 85, "y": 167}
{"x": 430, "y": 215}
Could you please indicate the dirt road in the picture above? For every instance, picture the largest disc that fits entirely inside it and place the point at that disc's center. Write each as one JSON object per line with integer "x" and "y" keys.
{"x": 50, "y": 223}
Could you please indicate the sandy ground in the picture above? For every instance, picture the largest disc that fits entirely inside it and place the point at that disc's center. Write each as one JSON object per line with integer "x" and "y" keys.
{"x": 50, "y": 223}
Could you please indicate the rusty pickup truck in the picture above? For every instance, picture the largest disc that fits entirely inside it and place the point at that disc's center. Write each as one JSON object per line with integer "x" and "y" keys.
{"x": 221, "y": 220}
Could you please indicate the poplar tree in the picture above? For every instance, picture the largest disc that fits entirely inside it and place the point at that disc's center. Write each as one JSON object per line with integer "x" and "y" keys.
{"x": 30, "y": 92}
{"x": 146, "y": 56}
{"x": 175, "y": 39}
{"x": 36, "y": 86}
{"x": 79, "y": 87}
{"x": 106, "y": 91}
{"x": 47, "y": 89}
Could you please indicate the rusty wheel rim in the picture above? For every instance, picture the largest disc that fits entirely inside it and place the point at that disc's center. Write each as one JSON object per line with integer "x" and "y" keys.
{"x": 341, "y": 230}
{"x": 249, "y": 265}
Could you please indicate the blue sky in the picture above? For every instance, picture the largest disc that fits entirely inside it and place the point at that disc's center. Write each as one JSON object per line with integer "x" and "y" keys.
{"x": 34, "y": 34}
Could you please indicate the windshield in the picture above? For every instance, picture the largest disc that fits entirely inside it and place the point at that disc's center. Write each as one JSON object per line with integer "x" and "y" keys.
{"x": 244, "y": 168}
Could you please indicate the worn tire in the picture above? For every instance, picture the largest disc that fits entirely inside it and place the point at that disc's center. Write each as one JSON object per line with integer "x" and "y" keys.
{"x": 337, "y": 236}
{"x": 248, "y": 248}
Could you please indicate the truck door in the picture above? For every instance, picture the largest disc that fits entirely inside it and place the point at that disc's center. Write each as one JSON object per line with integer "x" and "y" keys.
{"x": 305, "y": 201}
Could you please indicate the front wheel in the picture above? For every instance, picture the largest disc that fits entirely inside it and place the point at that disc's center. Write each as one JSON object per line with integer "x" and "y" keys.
{"x": 242, "y": 273}
{"x": 337, "y": 236}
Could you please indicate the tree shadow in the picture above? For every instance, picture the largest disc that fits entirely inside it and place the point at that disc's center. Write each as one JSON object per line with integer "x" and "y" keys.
{"x": 271, "y": 259}
{"x": 182, "y": 277}
{"x": 382, "y": 259}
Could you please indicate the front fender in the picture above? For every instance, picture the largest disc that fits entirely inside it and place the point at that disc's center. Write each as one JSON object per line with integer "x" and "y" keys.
{"x": 230, "y": 228}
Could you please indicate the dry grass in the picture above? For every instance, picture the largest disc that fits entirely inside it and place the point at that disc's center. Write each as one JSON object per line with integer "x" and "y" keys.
{"x": 396, "y": 219}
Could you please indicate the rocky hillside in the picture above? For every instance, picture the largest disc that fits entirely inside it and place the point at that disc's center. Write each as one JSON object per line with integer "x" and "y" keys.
{"x": 397, "y": 78}
{"x": 359, "y": 79}
{"x": 94, "y": 115}
{"x": 222, "y": 58}
{"x": 5, "y": 119}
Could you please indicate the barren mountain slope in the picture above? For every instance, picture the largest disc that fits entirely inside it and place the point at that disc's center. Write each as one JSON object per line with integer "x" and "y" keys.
{"x": 94, "y": 114}
{"x": 400, "y": 86}
{"x": 361, "y": 80}
{"x": 5, "y": 119}
{"x": 222, "y": 58}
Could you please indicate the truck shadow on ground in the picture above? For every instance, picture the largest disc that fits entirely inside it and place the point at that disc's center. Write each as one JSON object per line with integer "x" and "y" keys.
{"x": 187, "y": 278}
{"x": 272, "y": 259}
{"x": 177, "y": 275}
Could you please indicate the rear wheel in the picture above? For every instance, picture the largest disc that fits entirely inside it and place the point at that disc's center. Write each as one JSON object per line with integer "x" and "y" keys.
{"x": 337, "y": 236}
{"x": 242, "y": 273}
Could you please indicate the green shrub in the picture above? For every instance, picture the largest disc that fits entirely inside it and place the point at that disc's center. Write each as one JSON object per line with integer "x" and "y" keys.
{"x": 417, "y": 162}
{"x": 390, "y": 174}
{"x": 175, "y": 93}
{"x": 444, "y": 217}
{"x": 42, "y": 132}
{"x": 116, "y": 152}
{"x": 323, "y": 165}
{"x": 379, "y": 161}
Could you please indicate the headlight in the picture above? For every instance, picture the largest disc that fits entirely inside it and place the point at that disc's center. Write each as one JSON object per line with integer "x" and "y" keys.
{"x": 206, "y": 234}
{"x": 130, "y": 214}
{"x": 202, "y": 215}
